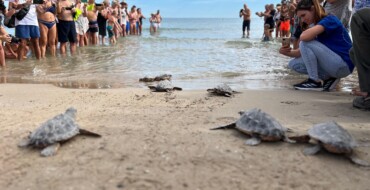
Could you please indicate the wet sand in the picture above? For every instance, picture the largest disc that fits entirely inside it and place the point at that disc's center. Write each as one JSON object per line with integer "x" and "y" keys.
{"x": 162, "y": 141}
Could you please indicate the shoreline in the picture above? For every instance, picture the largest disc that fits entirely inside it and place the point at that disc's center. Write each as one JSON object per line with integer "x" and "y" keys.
{"x": 162, "y": 141}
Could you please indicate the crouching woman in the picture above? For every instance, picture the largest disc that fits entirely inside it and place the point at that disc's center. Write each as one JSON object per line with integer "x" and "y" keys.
{"x": 323, "y": 51}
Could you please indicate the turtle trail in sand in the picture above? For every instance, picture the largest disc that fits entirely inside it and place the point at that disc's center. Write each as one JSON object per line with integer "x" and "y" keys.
{"x": 333, "y": 138}
{"x": 50, "y": 134}
{"x": 164, "y": 86}
{"x": 260, "y": 126}
{"x": 222, "y": 90}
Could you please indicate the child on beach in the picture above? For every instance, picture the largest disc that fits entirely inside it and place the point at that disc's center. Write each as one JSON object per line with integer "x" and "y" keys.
{"x": 113, "y": 24}
{"x": 323, "y": 52}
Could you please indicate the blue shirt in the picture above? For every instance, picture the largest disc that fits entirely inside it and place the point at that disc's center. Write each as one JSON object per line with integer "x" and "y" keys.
{"x": 336, "y": 38}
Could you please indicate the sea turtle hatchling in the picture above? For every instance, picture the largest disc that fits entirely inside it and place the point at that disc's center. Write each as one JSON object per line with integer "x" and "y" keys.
{"x": 260, "y": 126}
{"x": 164, "y": 86}
{"x": 333, "y": 138}
{"x": 157, "y": 78}
{"x": 222, "y": 90}
{"x": 55, "y": 131}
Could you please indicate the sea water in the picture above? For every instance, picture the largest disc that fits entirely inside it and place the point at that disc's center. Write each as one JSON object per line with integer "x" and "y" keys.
{"x": 198, "y": 53}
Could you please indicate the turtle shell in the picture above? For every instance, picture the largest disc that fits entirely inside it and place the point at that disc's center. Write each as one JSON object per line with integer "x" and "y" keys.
{"x": 258, "y": 122}
{"x": 164, "y": 85}
{"x": 60, "y": 128}
{"x": 333, "y": 137}
{"x": 163, "y": 77}
{"x": 223, "y": 88}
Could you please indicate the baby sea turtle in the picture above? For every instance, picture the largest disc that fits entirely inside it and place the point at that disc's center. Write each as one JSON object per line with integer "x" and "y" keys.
{"x": 157, "y": 78}
{"x": 333, "y": 138}
{"x": 222, "y": 90}
{"x": 164, "y": 86}
{"x": 260, "y": 126}
{"x": 54, "y": 131}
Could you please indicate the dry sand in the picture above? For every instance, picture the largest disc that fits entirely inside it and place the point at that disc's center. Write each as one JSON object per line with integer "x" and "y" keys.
{"x": 162, "y": 141}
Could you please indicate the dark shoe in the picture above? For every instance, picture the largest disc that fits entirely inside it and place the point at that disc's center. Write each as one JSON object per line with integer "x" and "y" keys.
{"x": 309, "y": 84}
{"x": 362, "y": 102}
{"x": 330, "y": 84}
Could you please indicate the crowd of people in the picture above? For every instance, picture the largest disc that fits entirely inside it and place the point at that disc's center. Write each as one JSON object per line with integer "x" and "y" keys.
{"x": 41, "y": 24}
{"x": 322, "y": 47}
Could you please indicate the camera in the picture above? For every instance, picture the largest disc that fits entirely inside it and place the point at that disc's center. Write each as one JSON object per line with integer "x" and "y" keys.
{"x": 14, "y": 39}
{"x": 2, "y": 6}
{"x": 69, "y": 8}
{"x": 37, "y": 1}
{"x": 285, "y": 42}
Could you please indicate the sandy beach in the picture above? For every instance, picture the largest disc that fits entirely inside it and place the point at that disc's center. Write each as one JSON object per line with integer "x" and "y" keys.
{"x": 162, "y": 141}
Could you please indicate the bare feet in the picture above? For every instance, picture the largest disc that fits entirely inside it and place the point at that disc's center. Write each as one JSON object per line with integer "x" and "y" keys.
{"x": 357, "y": 92}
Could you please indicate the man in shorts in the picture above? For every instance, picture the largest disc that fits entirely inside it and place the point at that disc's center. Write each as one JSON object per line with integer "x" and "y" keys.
{"x": 66, "y": 26}
{"x": 28, "y": 28}
{"x": 246, "y": 14}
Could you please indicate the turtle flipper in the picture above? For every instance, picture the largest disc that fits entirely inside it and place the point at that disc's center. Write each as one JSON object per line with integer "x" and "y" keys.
{"x": 153, "y": 88}
{"x": 177, "y": 88}
{"x": 230, "y": 126}
{"x": 354, "y": 157}
{"x": 89, "y": 133}
{"x": 24, "y": 142}
{"x": 50, "y": 150}
{"x": 228, "y": 94}
{"x": 255, "y": 140}
{"x": 312, "y": 150}
{"x": 288, "y": 140}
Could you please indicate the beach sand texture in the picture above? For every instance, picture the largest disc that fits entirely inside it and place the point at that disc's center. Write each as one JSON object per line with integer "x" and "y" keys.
{"x": 162, "y": 141}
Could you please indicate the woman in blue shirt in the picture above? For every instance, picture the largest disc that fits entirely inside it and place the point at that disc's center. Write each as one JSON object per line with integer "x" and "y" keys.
{"x": 323, "y": 52}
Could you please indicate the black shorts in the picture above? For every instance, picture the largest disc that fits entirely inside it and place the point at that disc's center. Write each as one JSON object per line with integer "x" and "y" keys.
{"x": 246, "y": 23}
{"x": 102, "y": 24}
{"x": 66, "y": 31}
{"x": 272, "y": 24}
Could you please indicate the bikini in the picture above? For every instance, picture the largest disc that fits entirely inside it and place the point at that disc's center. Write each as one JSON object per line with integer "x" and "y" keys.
{"x": 47, "y": 23}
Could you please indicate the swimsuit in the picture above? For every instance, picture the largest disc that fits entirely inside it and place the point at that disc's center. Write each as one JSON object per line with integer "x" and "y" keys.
{"x": 110, "y": 31}
{"x": 47, "y": 23}
{"x": 93, "y": 26}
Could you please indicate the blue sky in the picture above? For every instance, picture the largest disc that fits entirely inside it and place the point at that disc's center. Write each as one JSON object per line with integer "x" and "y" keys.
{"x": 199, "y": 8}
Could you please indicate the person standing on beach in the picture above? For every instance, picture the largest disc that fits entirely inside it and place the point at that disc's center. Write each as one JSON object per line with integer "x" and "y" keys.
{"x": 4, "y": 36}
{"x": 246, "y": 14}
{"x": 132, "y": 17}
{"x": 360, "y": 29}
{"x": 323, "y": 52}
{"x": 140, "y": 20}
{"x": 124, "y": 19}
{"x": 48, "y": 29}
{"x": 28, "y": 28}
{"x": 153, "y": 23}
{"x": 158, "y": 18}
{"x": 66, "y": 27}
{"x": 91, "y": 11}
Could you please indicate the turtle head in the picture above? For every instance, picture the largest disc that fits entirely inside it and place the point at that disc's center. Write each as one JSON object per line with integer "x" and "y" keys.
{"x": 71, "y": 112}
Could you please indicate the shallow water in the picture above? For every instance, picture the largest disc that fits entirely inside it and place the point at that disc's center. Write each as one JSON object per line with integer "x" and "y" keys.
{"x": 199, "y": 53}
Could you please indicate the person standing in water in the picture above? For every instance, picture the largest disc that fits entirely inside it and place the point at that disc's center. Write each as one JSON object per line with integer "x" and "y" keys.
{"x": 246, "y": 14}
